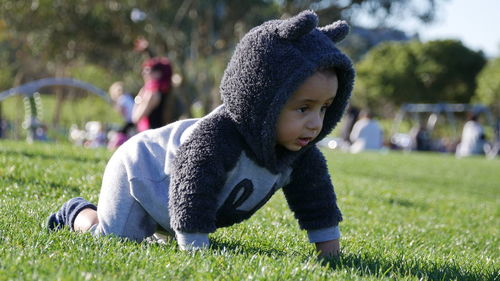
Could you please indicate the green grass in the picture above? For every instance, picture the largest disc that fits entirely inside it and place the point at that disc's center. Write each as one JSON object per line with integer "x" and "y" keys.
{"x": 407, "y": 217}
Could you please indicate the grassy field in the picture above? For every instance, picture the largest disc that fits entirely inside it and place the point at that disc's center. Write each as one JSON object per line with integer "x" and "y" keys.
{"x": 407, "y": 217}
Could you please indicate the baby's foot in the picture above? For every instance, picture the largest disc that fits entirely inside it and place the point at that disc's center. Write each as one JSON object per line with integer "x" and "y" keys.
{"x": 67, "y": 213}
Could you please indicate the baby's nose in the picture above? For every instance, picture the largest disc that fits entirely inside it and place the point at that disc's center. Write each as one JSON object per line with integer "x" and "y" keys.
{"x": 315, "y": 123}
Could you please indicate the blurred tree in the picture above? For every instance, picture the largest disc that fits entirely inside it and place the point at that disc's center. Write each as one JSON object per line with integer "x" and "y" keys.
{"x": 99, "y": 76}
{"x": 6, "y": 72}
{"x": 415, "y": 72}
{"x": 53, "y": 36}
{"x": 361, "y": 40}
{"x": 488, "y": 88}
{"x": 448, "y": 70}
{"x": 380, "y": 11}
{"x": 61, "y": 31}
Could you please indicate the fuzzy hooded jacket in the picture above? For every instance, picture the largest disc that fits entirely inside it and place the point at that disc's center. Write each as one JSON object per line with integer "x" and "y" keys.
{"x": 222, "y": 168}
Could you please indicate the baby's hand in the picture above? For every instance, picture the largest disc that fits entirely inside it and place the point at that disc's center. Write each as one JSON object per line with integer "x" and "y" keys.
{"x": 192, "y": 241}
{"x": 328, "y": 249}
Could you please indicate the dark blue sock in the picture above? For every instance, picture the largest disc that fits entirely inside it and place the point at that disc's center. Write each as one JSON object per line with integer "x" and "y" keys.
{"x": 67, "y": 214}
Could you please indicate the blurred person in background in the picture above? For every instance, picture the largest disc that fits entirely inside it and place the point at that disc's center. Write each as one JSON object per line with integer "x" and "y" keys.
{"x": 350, "y": 118}
{"x": 366, "y": 133}
{"x": 123, "y": 103}
{"x": 421, "y": 138}
{"x": 473, "y": 137}
{"x": 151, "y": 101}
{"x": 495, "y": 148}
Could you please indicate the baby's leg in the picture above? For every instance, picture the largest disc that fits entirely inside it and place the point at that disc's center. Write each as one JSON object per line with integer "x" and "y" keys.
{"x": 129, "y": 210}
{"x": 85, "y": 220}
{"x": 67, "y": 214}
{"x": 119, "y": 213}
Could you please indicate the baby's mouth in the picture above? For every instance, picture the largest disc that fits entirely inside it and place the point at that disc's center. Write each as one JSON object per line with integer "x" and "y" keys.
{"x": 304, "y": 141}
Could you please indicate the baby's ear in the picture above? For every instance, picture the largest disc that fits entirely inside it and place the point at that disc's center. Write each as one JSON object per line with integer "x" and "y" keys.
{"x": 336, "y": 31}
{"x": 297, "y": 26}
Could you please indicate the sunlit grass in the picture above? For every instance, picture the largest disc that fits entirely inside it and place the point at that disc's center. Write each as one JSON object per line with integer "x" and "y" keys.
{"x": 407, "y": 217}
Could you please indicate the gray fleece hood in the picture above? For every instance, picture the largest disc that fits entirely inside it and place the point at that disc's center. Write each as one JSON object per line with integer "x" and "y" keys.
{"x": 270, "y": 62}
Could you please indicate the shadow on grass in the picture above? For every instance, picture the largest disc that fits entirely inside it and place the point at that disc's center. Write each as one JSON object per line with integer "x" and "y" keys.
{"x": 42, "y": 155}
{"x": 380, "y": 267}
{"x": 401, "y": 202}
{"x": 372, "y": 266}
{"x": 405, "y": 203}
{"x": 237, "y": 247}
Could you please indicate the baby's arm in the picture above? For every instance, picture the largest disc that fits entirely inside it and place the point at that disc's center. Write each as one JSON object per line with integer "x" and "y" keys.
{"x": 192, "y": 194}
{"x": 311, "y": 197}
{"x": 198, "y": 173}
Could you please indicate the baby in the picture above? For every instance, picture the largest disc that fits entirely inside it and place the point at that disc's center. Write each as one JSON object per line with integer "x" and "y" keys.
{"x": 285, "y": 88}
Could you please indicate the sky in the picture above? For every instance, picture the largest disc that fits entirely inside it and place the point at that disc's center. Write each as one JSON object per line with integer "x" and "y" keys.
{"x": 475, "y": 22}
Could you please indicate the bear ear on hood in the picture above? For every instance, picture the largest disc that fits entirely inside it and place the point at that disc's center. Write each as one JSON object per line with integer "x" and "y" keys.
{"x": 336, "y": 31}
{"x": 297, "y": 26}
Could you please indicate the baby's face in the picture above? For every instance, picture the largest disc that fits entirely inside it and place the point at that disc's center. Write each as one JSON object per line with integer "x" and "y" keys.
{"x": 301, "y": 119}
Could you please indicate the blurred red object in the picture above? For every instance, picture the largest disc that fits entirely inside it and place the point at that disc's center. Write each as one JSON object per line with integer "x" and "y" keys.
{"x": 141, "y": 44}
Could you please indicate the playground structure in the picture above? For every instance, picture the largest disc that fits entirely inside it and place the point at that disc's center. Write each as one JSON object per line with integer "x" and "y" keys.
{"x": 434, "y": 112}
{"x": 32, "y": 101}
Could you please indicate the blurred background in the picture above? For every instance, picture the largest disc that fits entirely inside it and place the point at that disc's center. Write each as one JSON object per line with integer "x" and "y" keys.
{"x": 421, "y": 64}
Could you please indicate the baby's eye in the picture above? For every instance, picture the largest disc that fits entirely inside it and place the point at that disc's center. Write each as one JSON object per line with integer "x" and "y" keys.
{"x": 325, "y": 107}
{"x": 302, "y": 109}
